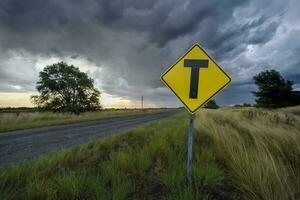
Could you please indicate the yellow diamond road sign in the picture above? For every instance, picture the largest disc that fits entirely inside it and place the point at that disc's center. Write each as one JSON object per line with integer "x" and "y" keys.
{"x": 195, "y": 78}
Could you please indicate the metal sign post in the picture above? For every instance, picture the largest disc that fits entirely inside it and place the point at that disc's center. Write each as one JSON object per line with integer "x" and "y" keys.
{"x": 190, "y": 148}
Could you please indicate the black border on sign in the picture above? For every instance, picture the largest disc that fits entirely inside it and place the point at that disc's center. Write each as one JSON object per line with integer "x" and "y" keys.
{"x": 162, "y": 78}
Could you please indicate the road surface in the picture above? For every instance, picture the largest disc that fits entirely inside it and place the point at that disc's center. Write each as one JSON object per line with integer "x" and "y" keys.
{"x": 17, "y": 146}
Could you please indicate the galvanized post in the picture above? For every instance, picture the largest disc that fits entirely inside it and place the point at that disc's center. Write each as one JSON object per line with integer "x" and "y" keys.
{"x": 190, "y": 148}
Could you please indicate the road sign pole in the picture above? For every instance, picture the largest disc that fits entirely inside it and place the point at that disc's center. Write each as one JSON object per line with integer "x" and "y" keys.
{"x": 190, "y": 148}
{"x": 195, "y": 86}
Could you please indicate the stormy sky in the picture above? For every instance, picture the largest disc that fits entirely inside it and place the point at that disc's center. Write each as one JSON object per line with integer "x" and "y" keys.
{"x": 126, "y": 45}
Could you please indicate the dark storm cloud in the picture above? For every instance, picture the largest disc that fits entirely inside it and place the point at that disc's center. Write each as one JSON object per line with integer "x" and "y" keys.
{"x": 161, "y": 20}
{"x": 133, "y": 41}
{"x": 264, "y": 34}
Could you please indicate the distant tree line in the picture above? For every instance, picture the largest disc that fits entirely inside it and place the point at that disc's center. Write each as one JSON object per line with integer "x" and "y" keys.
{"x": 18, "y": 109}
{"x": 242, "y": 105}
{"x": 211, "y": 104}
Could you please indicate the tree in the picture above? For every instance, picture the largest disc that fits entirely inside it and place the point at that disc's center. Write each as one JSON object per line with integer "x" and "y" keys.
{"x": 273, "y": 90}
{"x": 211, "y": 104}
{"x": 242, "y": 105}
{"x": 64, "y": 88}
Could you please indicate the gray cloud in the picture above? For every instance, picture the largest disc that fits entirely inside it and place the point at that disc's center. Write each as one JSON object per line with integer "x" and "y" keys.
{"x": 132, "y": 41}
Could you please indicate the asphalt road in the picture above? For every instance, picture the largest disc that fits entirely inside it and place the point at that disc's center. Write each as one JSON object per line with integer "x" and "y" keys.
{"x": 17, "y": 146}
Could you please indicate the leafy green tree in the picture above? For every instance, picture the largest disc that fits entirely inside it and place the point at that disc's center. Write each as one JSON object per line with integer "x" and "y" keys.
{"x": 64, "y": 88}
{"x": 273, "y": 90}
{"x": 211, "y": 104}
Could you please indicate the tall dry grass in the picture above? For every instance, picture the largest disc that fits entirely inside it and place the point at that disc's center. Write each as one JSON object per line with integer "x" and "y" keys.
{"x": 237, "y": 154}
{"x": 260, "y": 149}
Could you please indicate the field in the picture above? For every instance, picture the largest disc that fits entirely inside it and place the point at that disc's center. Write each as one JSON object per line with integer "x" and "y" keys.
{"x": 24, "y": 120}
{"x": 243, "y": 153}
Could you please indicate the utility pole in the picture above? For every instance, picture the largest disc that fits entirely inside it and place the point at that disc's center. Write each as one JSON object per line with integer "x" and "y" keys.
{"x": 142, "y": 102}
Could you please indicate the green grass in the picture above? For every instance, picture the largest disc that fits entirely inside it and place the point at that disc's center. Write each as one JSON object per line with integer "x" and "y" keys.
{"x": 238, "y": 154}
{"x": 26, "y": 120}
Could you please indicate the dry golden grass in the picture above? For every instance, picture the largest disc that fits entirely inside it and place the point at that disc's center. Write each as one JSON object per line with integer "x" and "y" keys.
{"x": 259, "y": 148}
{"x": 246, "y": 153}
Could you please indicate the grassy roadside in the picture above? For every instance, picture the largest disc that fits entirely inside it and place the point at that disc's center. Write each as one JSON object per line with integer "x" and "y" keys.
{"x": 26, "y": 120}
{"x": 238, "y": 154}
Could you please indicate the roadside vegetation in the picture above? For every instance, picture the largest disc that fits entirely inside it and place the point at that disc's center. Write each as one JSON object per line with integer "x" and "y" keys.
{"x": 245, "y": 153}
{"x": 25, "y": 120}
